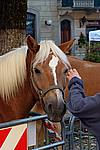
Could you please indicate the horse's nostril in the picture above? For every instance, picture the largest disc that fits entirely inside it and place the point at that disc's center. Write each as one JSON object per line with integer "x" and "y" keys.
{"x": 50, "y": 108}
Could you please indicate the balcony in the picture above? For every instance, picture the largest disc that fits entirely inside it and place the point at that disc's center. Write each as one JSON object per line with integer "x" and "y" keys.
{"x": 83, "y": 3}
{"x": 79, "y": 4}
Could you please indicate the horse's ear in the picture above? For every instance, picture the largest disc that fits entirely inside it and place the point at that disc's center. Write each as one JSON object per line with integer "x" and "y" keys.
{"x": 32, "y": 43}
{"x": 65, "y": 47}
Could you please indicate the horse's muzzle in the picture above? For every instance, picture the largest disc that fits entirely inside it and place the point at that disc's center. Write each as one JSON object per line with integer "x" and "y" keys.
{"x": 56, "y": 114}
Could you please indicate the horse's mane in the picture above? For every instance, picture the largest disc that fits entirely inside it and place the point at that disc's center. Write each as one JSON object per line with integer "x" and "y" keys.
{"x": 13, "y": 66}
{"x": 46, "y": 47}
{"x": 12, "y": 71}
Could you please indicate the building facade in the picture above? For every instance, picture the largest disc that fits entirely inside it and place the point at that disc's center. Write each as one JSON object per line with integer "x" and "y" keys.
{"x": 62, "y": 20}
{"x": 45, "y": 22}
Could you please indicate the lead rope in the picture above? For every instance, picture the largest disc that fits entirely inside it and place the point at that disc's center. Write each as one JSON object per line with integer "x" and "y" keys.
{"x": 52, "y": 129}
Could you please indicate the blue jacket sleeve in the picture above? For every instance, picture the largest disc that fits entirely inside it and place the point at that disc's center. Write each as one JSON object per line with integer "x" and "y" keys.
{"x": 83, "y": 107}
{"x": 79, "y": 104}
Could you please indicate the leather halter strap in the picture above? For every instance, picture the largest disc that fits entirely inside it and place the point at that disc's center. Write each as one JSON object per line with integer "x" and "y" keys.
{"x": 43, "y": 92}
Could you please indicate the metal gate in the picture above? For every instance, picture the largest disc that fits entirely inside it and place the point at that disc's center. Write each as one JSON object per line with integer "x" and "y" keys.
{"x": 34, "y": 117}
{"x": 76, "y": 136}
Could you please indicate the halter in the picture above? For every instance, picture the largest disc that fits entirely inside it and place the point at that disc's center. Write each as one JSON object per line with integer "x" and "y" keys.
{"x": 43, "y": 92}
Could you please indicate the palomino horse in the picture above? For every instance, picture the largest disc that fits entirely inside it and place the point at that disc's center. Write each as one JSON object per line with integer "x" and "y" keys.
{"x": 36, "y": 73}
{"x": 90, "y": 73}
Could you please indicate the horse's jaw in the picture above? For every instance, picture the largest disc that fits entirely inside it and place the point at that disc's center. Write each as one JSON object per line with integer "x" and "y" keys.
{"x": 55, "y": 110}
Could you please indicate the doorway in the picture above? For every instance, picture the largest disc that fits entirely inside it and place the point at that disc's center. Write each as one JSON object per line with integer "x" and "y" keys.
{"x": 65, "y": 30}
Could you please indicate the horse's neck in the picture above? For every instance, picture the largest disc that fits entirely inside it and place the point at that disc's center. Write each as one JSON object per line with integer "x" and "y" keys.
{"x": 27, "y": 98}
{"x": 18, "y": 106}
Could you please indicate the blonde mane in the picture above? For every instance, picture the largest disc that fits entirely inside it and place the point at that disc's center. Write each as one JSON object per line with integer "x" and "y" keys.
{"x": 46, "y": 47}
{"x": 12, "y": 72}
{"x": 13, "y": 66}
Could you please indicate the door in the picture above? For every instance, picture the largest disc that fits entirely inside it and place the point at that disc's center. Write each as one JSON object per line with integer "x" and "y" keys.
{"x": 65, "y": 31}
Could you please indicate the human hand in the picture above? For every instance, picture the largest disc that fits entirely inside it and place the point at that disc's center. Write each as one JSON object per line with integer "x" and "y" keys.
{"x": 73, "y": 73}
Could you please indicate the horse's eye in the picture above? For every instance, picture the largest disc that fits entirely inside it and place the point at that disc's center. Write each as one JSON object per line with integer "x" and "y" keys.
{"x": 65, "y": 71}
{"x": 37, "y": 70}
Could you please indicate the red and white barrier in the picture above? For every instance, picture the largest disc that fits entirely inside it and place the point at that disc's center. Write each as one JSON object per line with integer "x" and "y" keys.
{"x": 18, "y": 137}
{"x": 14, "y": 138}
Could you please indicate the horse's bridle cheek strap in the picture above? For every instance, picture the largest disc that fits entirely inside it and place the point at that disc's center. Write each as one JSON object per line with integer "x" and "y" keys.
{"x": 33, "y": 84}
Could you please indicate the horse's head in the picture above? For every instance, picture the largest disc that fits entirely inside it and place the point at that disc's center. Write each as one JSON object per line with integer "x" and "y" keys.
{"x": 48, "y": 68}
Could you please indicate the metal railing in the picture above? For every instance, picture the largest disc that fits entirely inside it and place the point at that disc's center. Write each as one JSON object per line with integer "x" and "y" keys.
{"x": 76, "y": 3}
{"x": 76, "y": 136}
{"x": 83, "y": 3}
{"x": 34, "y": 117}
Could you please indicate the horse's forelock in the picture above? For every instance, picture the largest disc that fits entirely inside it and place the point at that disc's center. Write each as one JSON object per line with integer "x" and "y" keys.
{"x": 12, "y": 72}
{"x": 45, "y": 48}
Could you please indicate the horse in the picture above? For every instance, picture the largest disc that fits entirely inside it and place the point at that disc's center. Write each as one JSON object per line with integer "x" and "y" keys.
{"x": 30, "y": 74}
{"x": 89, "y": 72}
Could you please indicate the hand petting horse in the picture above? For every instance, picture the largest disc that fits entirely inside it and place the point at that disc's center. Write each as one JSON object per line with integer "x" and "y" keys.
{"x": 31, "y": 74}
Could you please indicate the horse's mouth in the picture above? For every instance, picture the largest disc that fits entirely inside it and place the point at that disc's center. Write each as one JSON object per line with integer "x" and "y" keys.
{"x": 56, "y": 117}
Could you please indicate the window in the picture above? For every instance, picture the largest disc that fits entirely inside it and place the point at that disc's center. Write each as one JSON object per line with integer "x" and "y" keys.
{"x": 30, "y": 24}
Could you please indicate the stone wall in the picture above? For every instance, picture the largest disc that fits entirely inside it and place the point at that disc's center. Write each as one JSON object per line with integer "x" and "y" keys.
{"x": 46, "y": 10}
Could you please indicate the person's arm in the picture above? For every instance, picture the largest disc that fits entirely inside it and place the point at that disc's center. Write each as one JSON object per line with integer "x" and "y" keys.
{"x": 87, "y": 109}
{"x": 79, "y": 104}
